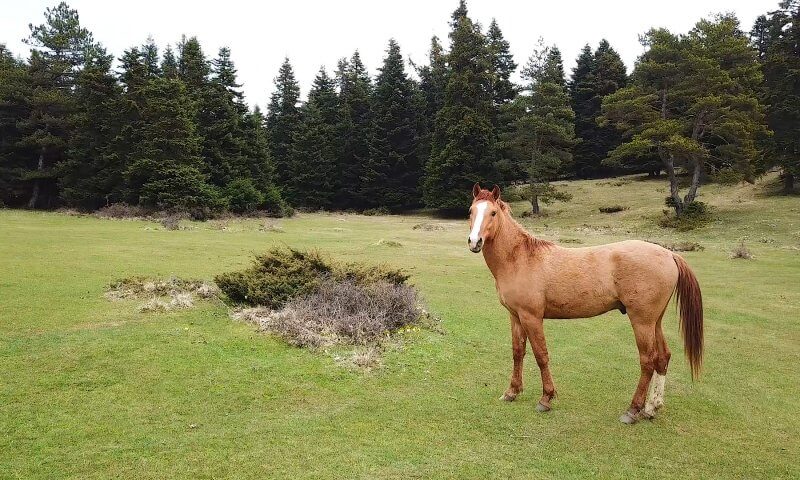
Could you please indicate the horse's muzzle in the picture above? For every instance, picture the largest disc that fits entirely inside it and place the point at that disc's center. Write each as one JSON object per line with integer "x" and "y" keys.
{"x": 477, "y": 247}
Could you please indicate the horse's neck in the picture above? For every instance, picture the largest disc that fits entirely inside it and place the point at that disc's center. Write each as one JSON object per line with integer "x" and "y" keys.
{"x": 510, "y": 238}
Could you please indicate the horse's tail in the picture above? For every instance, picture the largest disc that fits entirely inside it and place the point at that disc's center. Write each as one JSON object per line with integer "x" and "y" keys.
{"x": 690, "y": 302}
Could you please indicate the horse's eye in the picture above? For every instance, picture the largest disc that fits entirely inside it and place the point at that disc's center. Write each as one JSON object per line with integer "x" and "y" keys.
{"x": 494, "y": 213}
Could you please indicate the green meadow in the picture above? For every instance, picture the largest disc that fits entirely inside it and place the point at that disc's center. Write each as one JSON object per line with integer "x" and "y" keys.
{"x": 91, "y": 388}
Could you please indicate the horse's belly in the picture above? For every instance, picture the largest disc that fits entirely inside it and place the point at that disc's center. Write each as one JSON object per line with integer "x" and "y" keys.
{"x": 579, "y": 307}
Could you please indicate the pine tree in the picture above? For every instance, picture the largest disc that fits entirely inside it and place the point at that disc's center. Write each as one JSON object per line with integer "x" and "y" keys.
{"x": 15, "y": 92}
{"x": 354, "y": 129}
{"x": 59, "y": 49}
{"x": 463, "y": 147}
{"x": 393, "y": 173}
{"x": 594, "y": 77}
{"x": 692, "y": 102}
{"x": 283, "y": 119}
{"x": 544, "y": 134}
{"x": 432, "y": 85}
{"x": 169, "y": 64}
{"x": 777, "y": 38}
{"x": 313, "y": 153}
{"x": 165, "y": 169}
{"x": 503, "y": 93}
{"x": 261, "y": 170}
{"x": 150, "y": 58}
{"x": 92, "y": 174}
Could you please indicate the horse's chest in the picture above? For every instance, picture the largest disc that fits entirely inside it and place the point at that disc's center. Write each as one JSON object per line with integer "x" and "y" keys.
{"x": 512, "y": 296}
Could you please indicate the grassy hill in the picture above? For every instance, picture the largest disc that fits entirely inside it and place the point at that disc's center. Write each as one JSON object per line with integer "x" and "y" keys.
{"x": 94, "y": 389}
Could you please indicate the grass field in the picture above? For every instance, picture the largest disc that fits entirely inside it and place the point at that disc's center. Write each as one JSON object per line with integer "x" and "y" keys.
{"x": 94, "y": 389}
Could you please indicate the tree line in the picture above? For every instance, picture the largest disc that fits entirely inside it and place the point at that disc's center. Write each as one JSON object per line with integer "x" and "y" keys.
{"x": 171, "y": 129}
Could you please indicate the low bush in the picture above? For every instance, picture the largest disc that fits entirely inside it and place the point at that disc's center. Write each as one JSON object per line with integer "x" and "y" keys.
{"x": 681, "y": 246}
{"x": 428, "y": 227}
{"x": 121, "y": 210}
{"x": 695, "y": 215}
{"x": 341, "y": 313}
{"x": 612, "y": 209}
{"x": 741, "y": 251}
{"x": 284, "y": 273}
{"x": 376, "y": 211}
{"x": 162, "y": 294}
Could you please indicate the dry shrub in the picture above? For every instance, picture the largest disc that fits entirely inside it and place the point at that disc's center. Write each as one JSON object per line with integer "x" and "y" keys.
{"x": 163, "y": 294}
{"x": 285, "y": 273}
{"x": 121, "y": 210}
{"x": 741, "y": 251}
{"x": 681, "y": 246}
{"x": 570, "y": 240}
{"x": 341, "y": 313}
{"x": 428, "y": 227}
{"x": 271, "y": 227}
{"x": 612, "y": 209}
{"x": 171, "y": 222}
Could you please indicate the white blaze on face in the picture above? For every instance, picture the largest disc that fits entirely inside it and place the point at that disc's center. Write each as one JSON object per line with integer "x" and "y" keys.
{"x": 475, "y": 234}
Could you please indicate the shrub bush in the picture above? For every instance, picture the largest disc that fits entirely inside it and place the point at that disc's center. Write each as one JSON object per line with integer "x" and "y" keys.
{"x": 242, "y": 196}
{"x": 284, "y": 273}
{"x": 741, "y": 251}
{"x": 612, "y": 209}
{"x": 376, "y": 211}
{"x": 121, "y": 210}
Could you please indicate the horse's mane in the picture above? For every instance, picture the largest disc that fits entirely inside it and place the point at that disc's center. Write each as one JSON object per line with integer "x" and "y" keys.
{"x": 532, "y": 243}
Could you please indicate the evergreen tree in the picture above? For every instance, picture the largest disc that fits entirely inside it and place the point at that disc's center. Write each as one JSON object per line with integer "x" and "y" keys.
{"x": 544, "y": 133}
{"x": 692, "y": 102}
{"x": 432, "y": 85}
{"x": 261, "y": 170}
{"x": 92, "y": 174}
{"x": 354, "y": 130}
{"x": 283, "y": 119}
{"x": 311, "y": 183}
{"x": 165, "y": 169}
{"x": 777, "y": 38}
{"x": 503, "y": 93}
{"x": 463, "y": 147}
{"x": 169, "y": 64}
{"x": 594, "y": 77}
{"x": 59, "y": 49}
{"x": 15, "y": 92}
{"x": 393, "y": 173}
{"x": 150, "y": 58}
{"x": 193, "y": 68}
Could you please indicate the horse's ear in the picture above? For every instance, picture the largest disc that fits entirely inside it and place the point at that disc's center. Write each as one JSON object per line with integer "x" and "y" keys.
{"x": 496, "y": 192}
{"x": 476, "y": 189}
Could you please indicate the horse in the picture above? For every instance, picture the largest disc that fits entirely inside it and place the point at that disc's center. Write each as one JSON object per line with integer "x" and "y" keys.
{"x": 537, "y": 279}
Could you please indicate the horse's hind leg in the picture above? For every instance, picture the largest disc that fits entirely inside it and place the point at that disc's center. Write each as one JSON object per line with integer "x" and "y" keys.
{"x": 655, "y": 397}
{"x": 518, "y": 342}
{"x": 645, "y": 332}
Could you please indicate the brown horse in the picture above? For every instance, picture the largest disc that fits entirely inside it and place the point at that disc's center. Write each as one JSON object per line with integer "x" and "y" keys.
{"x": 537, "y": 279}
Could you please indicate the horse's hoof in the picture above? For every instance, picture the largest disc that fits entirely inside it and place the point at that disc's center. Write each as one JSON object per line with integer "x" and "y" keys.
{"x": 541, "y": 407}
{"x": 508, "y": 397}
{"x": 628, "y": 418}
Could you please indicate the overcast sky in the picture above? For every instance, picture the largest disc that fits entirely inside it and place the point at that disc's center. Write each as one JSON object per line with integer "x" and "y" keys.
{"x": 316, "y": 33}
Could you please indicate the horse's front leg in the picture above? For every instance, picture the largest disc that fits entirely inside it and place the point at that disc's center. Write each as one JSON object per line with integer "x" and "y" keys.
{"x": 518, "y": 342}
{"x": 534, "y": 327}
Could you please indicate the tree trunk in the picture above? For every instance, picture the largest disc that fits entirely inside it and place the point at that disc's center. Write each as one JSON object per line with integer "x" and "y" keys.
{"x": 36, "y": 187}
{"x": 535, "y": 204}
{"x": 696, "y": 175}
{"x": 677, "y": 203}
{"x": 788, "y": 182}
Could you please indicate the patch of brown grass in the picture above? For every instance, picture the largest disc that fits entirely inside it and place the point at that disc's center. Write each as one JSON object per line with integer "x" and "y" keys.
{"x": 741, "y": 251}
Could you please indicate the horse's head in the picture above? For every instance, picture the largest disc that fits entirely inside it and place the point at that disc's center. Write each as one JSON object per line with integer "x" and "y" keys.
{"x": 483, "y": 220}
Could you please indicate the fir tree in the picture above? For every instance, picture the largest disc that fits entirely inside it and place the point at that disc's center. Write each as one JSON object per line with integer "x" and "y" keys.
{"x": 354, "y": 129}
{"x": 169, "y": 64}
{"x": 283, "y": 119}
{"x": 311, "y": 183}
{"x": 594, "y": 77}
{"x": 15, "y": 92}
{"x": 92, "y": 174}
{"x": 393, "y": 173}
{"x": 150, "y": 58}
{"x": 463, "y": 147}
{"x": 503, "y": 93}
{"x": 777, "y": 38}
{"x": 544, "y": 133}
{"x": 432, "y": 85}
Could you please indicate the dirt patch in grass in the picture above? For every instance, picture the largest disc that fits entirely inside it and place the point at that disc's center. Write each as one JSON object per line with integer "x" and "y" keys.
{"x": 428, "y": 227}
{"x": 161, "y": 295}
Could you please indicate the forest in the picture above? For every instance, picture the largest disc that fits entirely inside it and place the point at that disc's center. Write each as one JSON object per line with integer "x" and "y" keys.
{"x": 170, "y": 130}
